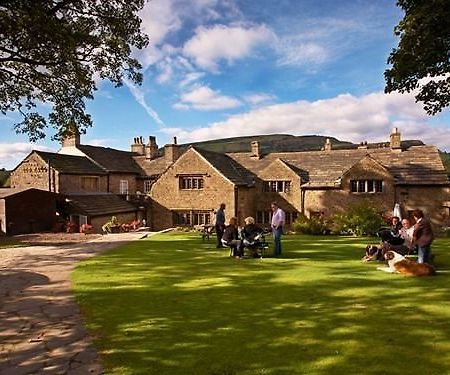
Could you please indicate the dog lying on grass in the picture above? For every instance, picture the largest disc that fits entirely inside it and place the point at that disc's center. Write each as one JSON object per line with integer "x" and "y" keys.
{"x": 373, "y": 252}
{"x": 399, "y": 264}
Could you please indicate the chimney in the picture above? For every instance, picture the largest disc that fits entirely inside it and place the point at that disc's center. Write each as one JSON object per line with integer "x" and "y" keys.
{"x": 72, "y": 139}
{"x": 171, "y": 151}
{"x": 151, "y": 148}
{"x": 395, "y": 143}
{"x": 327, "y": 146}
{"x": 255, "y": 153}
{"x": 138, "y": 146}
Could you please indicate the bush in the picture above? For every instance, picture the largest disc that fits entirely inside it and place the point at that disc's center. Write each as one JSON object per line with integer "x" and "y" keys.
{"x": 313, "y": 225}
{"x": 359, "y": 220}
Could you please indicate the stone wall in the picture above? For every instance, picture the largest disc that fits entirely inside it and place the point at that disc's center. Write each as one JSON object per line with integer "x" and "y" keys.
{"x": 114, "y": 182}
{"x": 32, "y": 172}
{"x": 30, "y": 211}
{"x": 168, "y": 197}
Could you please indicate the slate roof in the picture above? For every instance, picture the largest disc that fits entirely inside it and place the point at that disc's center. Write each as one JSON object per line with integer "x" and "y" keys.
{"x": 151, "y": 168}
{"x": 110, "y": 159}
{"x": 8, "y": 192}
{"x": 71, "y": 164}
{"x": 227, "y": 166}
{"x": 99, "y": 204}
{"x": 417, "y": 165}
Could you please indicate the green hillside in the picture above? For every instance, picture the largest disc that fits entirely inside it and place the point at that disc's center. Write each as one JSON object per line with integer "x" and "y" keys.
{"x": 445, "y": 156}
{"x": 270, "y": 143}
{"x": 4, "y": 177}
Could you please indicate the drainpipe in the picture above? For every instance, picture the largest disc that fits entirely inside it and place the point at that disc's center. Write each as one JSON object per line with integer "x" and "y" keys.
{"x": 49, "y": 175}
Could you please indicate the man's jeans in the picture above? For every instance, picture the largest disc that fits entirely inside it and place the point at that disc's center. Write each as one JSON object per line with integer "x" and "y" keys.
{"x": 276, "y": 233}
{"x": 424, "y": 253}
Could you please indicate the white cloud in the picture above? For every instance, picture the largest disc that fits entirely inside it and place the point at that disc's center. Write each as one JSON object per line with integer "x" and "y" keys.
{"x": 139, "y": 95}
{"x": 205, "y": 99}
{"x": 258, "y": 99}
{"x": 190, "y": 78}
{"x": 210, "y": 45}
{"x": 346, "y": 117}
{"x": 11, "y": 154}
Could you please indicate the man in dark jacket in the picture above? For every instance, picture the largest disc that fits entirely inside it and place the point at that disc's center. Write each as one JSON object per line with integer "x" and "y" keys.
{"x": 220, "y": 224}
{"x": 423, "y": 236}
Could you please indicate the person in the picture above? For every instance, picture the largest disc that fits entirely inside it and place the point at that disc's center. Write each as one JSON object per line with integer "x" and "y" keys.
{"x": 250, "y": 235}
{"x": 423, "y": 236}
{"x": 391, "y": 234}
{"x": 278, "y": 220}
{"x": 406, "y": 232}
{"x": 231, "y": 238}
{"x": 220, "y": 224}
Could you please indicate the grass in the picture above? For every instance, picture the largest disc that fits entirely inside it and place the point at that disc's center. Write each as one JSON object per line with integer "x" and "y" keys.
{"x": 174, "y": 305}
{"x": 7, "y": 242}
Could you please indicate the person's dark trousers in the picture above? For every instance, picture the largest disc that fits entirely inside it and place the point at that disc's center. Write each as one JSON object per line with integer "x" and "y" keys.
{"x": 219, "y": 233}
{"x": 276, "y": 233}
{"x": 423, "y": 254}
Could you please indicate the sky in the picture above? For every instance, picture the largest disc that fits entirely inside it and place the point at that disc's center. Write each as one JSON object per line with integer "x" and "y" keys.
{"x": 226, "y": 68}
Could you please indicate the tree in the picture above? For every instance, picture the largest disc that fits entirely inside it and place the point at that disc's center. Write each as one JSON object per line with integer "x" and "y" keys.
{"x": 422, "y": 59}
{"x": 53, "y": 51}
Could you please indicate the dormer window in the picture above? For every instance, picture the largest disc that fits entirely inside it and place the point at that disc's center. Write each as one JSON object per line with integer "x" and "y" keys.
{"x": 366, "y": 186}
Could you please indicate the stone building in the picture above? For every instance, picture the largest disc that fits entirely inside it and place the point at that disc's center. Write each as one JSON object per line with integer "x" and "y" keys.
{"x": 184, "y": 187}
{"x": 310, "y": 183}
{"x": 26, "y": 210}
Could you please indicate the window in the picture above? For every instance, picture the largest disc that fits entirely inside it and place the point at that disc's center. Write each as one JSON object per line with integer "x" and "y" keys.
{"x": 89, "y": 183}
{"x": 147, "y": 186}
{"x": 191, "y": 183}
{"x": 123, "y": 187}
{"x": 366, "y": 186}
{"x": 194, "y": 217}
{"x": 277, "y": 186}
{"x": 263, "y": 217}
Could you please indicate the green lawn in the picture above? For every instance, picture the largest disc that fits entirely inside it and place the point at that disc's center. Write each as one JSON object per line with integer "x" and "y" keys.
{"x": 174, "y": 305}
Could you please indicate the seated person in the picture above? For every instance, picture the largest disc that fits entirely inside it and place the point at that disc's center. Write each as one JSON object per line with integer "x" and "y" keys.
{"x": 403, "y": 244}
{"x": 231, "y": 239}
{"x": 391, "y": 235}
{"x": 251, "y": 235}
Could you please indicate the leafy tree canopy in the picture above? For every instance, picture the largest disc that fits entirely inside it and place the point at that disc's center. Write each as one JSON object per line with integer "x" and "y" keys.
{"x": 423, "y": 53}
{"x": 52, "y": 51}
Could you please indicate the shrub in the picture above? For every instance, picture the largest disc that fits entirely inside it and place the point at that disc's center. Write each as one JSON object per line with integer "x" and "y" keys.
{"x": 313, "y": 225}
{"x": 360, "y": 219}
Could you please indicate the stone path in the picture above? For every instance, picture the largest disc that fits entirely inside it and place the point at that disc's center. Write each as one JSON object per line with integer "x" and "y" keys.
{"x": 41, "y": 330}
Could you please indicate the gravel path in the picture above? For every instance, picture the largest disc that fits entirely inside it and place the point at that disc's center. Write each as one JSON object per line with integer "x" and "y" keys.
{"x": 41, "y": 330}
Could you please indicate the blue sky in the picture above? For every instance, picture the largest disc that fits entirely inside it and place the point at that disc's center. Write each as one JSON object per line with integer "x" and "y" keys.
{"x": 222, "y": 68}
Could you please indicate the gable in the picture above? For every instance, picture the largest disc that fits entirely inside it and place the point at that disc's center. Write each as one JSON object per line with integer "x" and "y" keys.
{"x": 367, "y": 168}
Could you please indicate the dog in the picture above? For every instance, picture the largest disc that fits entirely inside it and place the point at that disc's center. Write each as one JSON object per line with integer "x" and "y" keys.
{"x": 397, "y": 263}
{"x": 373, "y": 252}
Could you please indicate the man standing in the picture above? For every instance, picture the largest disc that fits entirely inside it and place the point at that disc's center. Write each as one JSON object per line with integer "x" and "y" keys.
{"x": 220, "y": 224}
{"x": 423, "y": 237}
{"x": 278, "y": 218}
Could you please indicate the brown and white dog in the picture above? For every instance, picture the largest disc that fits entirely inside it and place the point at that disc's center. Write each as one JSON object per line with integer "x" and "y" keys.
{"x": 399, "y": 264}
{"x": 373, "y": 252}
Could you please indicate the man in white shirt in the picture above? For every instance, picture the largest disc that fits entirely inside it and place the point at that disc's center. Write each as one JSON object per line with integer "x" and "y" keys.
{"x": 278, "y": 219}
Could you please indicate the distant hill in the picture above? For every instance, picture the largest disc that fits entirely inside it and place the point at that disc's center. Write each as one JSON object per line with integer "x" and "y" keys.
{"x": 4, "y": 177}
{"x": 271, "y": 143}
{"x": 283, "y": 143}
{"x": 445, "y": 156}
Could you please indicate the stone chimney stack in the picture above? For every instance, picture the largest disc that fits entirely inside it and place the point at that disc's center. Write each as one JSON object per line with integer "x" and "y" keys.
{"x": 255, "y": 153}
{"x": 71, "y": 140}
{"x": 151, "y": 148}
{"x": 395, "y": 140}
{"x": 327, "y": 146}
{"x": 138, "y": 146}
{"x": 171, "y": 151}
